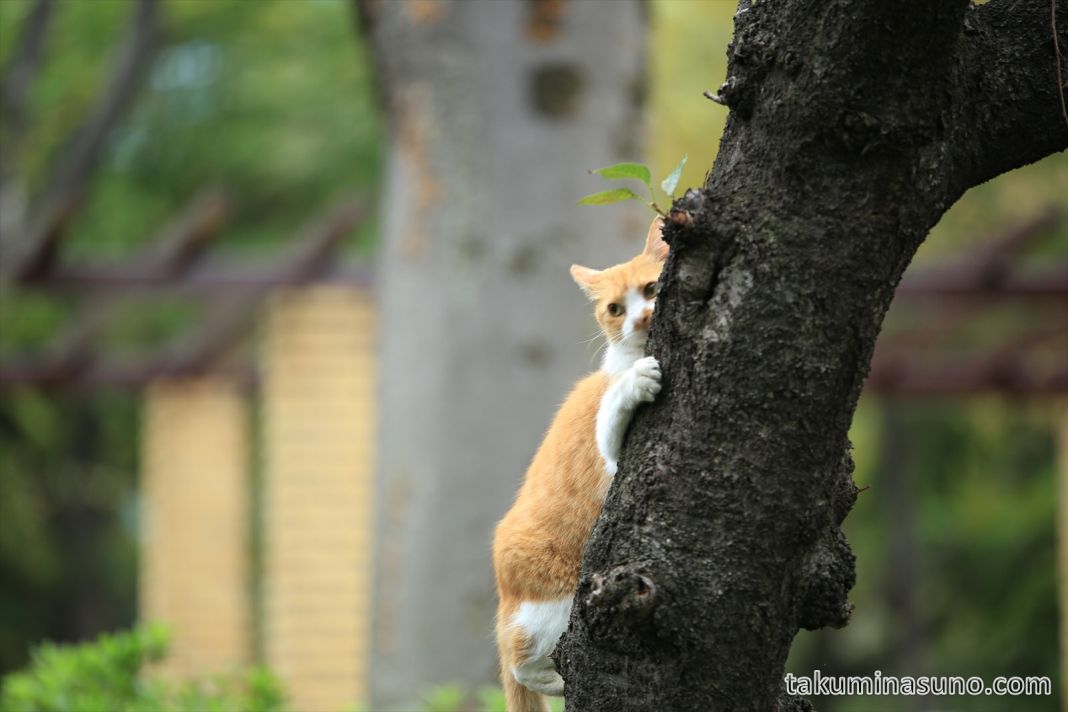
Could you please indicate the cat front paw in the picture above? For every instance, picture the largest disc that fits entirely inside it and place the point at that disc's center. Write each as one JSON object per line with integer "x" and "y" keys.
{"x": 645, "y": 380}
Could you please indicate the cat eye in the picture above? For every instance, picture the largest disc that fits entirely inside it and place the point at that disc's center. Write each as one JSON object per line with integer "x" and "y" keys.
{"x": 650, "y": 290}
{"x": 615, "y": 309}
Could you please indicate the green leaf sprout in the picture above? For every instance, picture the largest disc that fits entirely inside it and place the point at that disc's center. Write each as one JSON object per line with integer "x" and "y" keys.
{"x": 669, "y": 183}
{"x": 634, "y": 171}
{"x": 610, "y": 196}
{"x": 626, "y": 170}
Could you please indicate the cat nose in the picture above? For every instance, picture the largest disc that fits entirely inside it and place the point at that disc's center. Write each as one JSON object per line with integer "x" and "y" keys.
{"x": 642, "y": 322}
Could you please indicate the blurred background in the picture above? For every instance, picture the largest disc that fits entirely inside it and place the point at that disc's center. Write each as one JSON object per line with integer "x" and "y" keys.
{"x": 285, "y": 310}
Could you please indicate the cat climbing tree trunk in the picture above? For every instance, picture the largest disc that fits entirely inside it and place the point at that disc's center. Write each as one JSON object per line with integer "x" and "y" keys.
{"x": 853, "y": 127}
{"x": 496, "y": 111}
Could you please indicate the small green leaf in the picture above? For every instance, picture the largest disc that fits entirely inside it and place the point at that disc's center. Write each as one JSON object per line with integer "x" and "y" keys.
{"x": 672, "y": 181}
{"x": 609, "y": 196}
{"x": 626, "y": 170}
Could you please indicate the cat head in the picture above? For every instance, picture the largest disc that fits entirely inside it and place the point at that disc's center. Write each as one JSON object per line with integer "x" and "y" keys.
{"x": 624, "y": 295}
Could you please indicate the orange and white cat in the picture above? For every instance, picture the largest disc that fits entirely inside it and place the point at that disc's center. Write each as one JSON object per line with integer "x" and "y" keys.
{"x": 538, "y": 545}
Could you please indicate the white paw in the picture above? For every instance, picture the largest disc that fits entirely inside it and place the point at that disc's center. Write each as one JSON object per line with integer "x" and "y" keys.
{"x": 644, "y": 380}
{"x": 555, "y": 688}
{"x": 610, "y": 467}
{"x": 540, "y": 676}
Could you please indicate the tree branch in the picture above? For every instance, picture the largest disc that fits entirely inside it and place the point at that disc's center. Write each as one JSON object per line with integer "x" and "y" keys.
{"x": 1010, "y": 112}
{"x": 19, "y": 73}
{"x": 21, "y": 68}
{"x": 184, "y": 239}
{"x": 66, "y": 187}
{"x": 178, "y": 246}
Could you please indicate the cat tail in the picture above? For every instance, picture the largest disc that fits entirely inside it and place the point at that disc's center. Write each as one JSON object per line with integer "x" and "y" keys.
{"x": 519, "y": 698}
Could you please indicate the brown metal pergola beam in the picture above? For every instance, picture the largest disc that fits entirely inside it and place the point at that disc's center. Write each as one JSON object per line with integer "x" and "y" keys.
{"x": 312, "y": 258}
{"x": 1003, "y": 370}
{"x": 1012, "y": 379}
{"x": 176, "y": 247}
{"x": 174, "y": 265}
{"x": 955, "y": 282}
{"x": 224, "y": 277}
{"x": 989, "y": 272}
{"x": 200, "y": 349}
{"x": 985, "y": 275}
{"x": 115, "y": 374}
{"x": 207, "y": 279}
{"x": 884, "y": 380}
{"x": 313, "y": 250}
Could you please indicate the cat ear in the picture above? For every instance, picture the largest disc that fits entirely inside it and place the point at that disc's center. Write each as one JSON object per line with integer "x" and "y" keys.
{"x": 584, "y": 277}
{"x": 655, "y": 246}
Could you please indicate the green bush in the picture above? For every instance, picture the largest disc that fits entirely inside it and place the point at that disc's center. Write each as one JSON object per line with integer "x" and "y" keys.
{"x": 451, "y": 698}
{"x": 108, "y": 675}
{"x": 114, "y": 674}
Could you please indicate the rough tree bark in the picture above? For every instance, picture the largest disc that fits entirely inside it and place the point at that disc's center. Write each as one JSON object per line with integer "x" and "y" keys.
{"x": 853, "y": 127}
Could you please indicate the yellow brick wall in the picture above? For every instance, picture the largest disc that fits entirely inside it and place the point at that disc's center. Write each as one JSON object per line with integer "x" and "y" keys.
{"x": 318, "y": 393}
{"x": 194, "y": 523}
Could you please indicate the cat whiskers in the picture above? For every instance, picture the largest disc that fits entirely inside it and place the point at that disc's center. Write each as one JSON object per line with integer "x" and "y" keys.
{"x": 595, "y": 358}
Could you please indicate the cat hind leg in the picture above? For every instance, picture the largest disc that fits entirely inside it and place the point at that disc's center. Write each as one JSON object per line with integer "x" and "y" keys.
{"x": 539, "y": 675}
{"x": 541, "y": 623}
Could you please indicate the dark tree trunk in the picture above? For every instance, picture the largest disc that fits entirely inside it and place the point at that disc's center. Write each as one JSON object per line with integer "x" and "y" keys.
{"x": 853, "y": 127}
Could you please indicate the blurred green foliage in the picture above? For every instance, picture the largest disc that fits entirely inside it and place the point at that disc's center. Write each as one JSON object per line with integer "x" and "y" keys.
{"x": 271, "y": 100}
{"x": 688, "y": 57}
{"x": 113, "y": 674}
{"x": 67, "y": 550}
{"x": 981, "y": 481}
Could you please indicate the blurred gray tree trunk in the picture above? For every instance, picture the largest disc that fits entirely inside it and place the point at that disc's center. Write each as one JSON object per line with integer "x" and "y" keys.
{"x": 853, "y": 127}
{"x": 495, "y": 112}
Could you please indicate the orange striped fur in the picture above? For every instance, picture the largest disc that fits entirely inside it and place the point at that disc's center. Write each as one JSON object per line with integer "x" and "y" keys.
{"x": 538, "y": 544}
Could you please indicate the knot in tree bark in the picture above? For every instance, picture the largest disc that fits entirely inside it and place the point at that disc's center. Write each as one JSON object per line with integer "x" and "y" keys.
{"x": 828, "y": 574}
{"x": 619, "y": 605}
